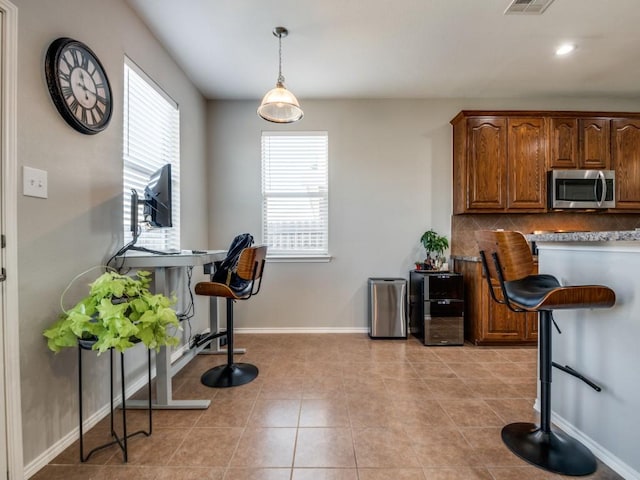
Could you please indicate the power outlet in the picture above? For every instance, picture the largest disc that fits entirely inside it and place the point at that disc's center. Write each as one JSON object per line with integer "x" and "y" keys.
{"x": 34, "y": 182}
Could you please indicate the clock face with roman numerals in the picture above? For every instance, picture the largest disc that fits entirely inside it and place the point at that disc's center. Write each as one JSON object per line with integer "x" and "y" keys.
{"x": 78, "y": 85}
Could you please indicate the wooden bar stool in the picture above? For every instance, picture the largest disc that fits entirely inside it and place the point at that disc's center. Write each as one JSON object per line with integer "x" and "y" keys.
{"x": 249, "y": 272}
{"x": 511, "y": 266}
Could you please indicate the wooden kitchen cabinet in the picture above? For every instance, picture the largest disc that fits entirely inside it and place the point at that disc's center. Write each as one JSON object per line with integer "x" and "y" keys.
{"x": 625, "y": 156}
{"x": 531, "y": 327}
{"x": 582, "y": 143}
{"x": 563, "y": 139}
{"x": 595, "y": 143}
{"x": 499, "y": 164}
{"x": 501, "y": 157}
{"x": 487, "y": 322}
{"x": 527, "y": 163}
{"x": 486, "y": 163}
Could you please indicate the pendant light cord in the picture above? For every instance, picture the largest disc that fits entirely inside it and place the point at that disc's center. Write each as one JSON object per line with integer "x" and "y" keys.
{"x": 280, "y": 77}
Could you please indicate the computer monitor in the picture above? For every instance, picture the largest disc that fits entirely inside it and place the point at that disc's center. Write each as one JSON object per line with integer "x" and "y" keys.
{"x": 157, "y": 199}
{"x": 156, "y": 204}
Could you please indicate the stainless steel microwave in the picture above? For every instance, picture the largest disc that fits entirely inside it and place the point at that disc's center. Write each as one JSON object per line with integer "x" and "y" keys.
{"x": 585, "y": 189}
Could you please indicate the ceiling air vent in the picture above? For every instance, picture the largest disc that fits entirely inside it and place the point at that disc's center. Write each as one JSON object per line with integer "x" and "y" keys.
{"x": 527, "y": 7}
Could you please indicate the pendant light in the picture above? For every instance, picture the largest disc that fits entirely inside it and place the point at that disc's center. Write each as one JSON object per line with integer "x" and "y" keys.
{"x": 279, "y": 105}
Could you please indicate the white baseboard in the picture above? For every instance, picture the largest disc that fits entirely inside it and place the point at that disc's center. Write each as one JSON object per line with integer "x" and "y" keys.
{"x": 604, "y": 455}
{"x": 303, "y": 330}
{"x": 57, "y": 448}
{"x": 608, "y": 458}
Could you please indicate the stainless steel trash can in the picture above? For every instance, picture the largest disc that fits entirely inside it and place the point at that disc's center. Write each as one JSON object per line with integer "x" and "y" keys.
{"x": 387, "y": 308}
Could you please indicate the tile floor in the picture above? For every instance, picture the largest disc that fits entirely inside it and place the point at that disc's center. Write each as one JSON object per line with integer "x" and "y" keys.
{"x": 333, "y": 407}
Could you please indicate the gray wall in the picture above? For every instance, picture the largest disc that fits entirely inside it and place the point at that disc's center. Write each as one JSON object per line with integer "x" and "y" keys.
{"x": 390, "y": 179}
{"x": 80, "y": 224}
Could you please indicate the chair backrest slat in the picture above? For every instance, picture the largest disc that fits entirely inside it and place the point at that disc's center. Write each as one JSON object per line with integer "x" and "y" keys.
{"x": 513, "y": 253}
{"x": 247, "y": 261}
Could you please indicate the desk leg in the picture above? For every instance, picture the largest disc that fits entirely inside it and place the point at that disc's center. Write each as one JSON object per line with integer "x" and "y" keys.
{"x": 164, "y": 399}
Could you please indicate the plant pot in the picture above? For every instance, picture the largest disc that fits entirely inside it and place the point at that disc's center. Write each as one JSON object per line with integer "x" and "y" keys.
{"x": 87, "y": 343}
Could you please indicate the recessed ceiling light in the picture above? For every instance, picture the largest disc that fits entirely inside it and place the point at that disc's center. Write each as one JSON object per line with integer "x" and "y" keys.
{"x": 565, "y": 49}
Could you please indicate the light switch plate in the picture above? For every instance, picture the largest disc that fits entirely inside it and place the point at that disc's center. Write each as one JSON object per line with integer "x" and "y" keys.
{"x": 34, "y": 182}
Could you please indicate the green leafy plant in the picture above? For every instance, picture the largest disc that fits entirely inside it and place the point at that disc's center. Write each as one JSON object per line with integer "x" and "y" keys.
{"x": 434, "y": 243}
{"x": 119, "y": 312}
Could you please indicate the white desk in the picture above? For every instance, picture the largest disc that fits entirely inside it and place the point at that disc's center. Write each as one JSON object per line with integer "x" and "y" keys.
{"x": 161, "y": 265}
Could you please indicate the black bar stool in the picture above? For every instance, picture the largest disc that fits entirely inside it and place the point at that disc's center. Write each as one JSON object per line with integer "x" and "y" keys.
{"x": 511, "y": 267}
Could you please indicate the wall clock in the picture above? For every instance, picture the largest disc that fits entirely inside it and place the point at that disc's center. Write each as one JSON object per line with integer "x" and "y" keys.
{"x": 78, "y": 85}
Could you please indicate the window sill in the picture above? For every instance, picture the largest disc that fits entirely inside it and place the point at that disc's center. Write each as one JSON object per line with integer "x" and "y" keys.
{"x": 298, "y": 258}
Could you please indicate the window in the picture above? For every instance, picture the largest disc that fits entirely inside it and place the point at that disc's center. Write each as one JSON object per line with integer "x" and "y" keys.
{"x": 151, "y": 140}
{"x": 295, "y": 194}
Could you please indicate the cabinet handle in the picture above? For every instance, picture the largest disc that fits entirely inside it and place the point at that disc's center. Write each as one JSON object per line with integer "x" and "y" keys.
{"x": 604, "y": 188}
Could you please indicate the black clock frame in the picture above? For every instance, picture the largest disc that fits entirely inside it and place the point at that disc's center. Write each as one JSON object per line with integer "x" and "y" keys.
{"x": 51, "y": 69}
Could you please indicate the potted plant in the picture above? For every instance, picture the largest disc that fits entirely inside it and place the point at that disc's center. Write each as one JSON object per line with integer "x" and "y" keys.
{"x": 436, "y": 244}
{"x": 119, "y": 312}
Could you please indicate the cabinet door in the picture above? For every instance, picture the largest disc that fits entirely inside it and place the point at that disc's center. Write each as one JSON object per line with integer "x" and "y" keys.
{"x": 460, "y": 177}
{"x": 594, "y": 143}
{"x": 500, "y": 324}
{"x": 486, "y": 163}
{"x": 625, "y": 140}
{"x": 527, "y": 156}
{"x": 530, "y": 326}
{"x": 487, "y": 322}
{"x": 563, "y": 139}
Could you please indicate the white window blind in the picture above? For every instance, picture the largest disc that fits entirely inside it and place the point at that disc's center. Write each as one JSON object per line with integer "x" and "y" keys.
{"x": 295, "y": 193}
{"x": 151, "y": 140}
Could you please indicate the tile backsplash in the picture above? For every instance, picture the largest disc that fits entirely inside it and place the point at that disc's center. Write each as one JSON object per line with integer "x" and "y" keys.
{"x": 463, "y": 227}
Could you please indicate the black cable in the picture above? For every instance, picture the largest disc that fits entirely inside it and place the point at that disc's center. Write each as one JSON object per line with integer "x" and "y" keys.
{"x": 190, "y": 310}
{"x": 132, "y": 246}
{"x": 149, "y": 250}
{"x": 123, "y": 250}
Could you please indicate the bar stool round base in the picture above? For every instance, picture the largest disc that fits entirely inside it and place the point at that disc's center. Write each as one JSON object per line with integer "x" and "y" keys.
{"x": 224, "y": 376}
{"x": 554, "y": 451}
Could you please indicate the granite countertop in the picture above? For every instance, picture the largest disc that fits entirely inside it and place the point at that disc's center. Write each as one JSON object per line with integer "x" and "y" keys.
{"x": 472, "y": 258}
{"x": 465, "y": 258}
{"x": 604, "y": 236}
{"x": 611, "y": 236}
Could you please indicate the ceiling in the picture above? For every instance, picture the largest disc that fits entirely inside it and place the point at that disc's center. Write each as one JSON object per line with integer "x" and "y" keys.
{"x": 401, "y": 48}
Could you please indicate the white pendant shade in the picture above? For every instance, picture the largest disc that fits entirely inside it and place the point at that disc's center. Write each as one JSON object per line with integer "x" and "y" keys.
{"x": 279, "y": 105}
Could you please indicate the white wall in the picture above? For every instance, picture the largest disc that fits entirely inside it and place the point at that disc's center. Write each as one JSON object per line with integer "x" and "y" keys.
{"x": 602, "y": 345}
{"x": 390, "y": 179}
{"x": 80, "y": 224}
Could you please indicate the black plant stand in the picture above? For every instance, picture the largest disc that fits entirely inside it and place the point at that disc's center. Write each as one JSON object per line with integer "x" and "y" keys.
{"x": 121, "y": 441}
